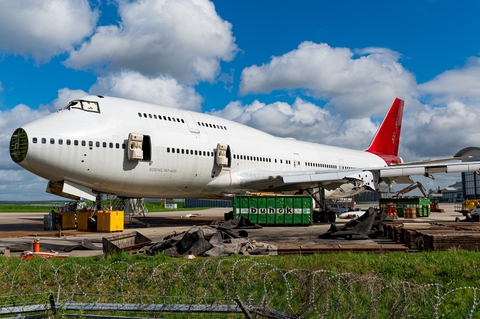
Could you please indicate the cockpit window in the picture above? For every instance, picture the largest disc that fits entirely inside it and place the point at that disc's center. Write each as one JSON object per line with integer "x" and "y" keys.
{"x": 89, "y": 106}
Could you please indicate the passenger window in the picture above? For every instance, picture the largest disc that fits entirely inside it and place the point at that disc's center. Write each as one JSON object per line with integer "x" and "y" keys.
{"x": 150, "y": 115}
{"x": 69, "y": 142}
{"x": 90, "y": 143}
{"x": 155, "y": 116}
{"x": 60, "y": 141}
{"x": 104, "y": 144}
{"x": 75, "y": 142}
{"x": 97, "y": 144}
{"x": 34, "y": 140}
{"x": 117, "y": 145}
{"x": 139, "y": 114}
{"x": 52, "y": 141}
{"x": 110, "y": 145}
{"x": 44, "y": 140}
{"x": 144, "y": 114}
{"x": 83, "y": 143}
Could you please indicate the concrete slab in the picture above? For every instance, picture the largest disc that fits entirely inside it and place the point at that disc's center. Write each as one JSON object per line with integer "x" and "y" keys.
{"x": 20, "y": 229}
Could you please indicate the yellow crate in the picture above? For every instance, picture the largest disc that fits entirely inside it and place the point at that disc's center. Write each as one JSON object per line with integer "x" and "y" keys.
{"x": 110, "y": 220}
{"x": 83, "y": 220}
{"x": 68, "y": 220}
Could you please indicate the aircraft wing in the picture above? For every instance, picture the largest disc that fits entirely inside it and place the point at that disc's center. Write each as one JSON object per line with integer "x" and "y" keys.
{"x": 358, "y": 179}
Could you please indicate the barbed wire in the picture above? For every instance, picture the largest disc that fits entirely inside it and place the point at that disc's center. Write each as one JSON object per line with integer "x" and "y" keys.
{"x": 215, "y": 282}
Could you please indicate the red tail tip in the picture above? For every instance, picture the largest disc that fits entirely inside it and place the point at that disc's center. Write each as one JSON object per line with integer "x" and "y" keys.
{"x": 387, "y": 139}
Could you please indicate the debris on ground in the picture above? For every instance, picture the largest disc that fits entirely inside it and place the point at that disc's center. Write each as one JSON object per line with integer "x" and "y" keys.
{"x": 367, "y": 226}
{"x": 85, "y": 244}
{"x": 190, "y": 215}
{"x": 469, "y": 219}
{"x": 217, "y": 239}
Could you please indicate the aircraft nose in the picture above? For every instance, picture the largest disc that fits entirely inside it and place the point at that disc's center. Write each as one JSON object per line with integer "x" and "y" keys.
{"x": 19, "y": 145}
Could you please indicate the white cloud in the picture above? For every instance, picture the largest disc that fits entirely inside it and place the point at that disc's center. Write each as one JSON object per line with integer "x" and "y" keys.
{"x": 16, "y": 182}
{"x": 357, "y": 86}
{"x": 449, "y": 121}
{"x": 460, "y": 84}
{"x": 160, "y": 90}
{"x": 11, "y": 120}
{"x": 182, "y": 39}
{"x": 303, "y": 121}
{"x": 21, "y": 185}
{"x": 43, "y": 29}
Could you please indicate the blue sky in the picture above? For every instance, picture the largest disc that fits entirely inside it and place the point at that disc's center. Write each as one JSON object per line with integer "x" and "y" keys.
{"x": 323, "y": 71}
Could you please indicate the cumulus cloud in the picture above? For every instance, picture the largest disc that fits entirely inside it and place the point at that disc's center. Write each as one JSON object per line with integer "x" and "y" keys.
{"x": 43, "y": 29}
{"x": 183, "y": 39}
{"x": 460, "y": 84}
{"x": 357, "y": 84}
{"x": 16, "y": 182}
{"x": 303, "y": 121}
{"x": 159, "y": 90}
{"x": 11, "y": 120}
{"x": 21, "y": 185}
{"x": 446, "y": 120}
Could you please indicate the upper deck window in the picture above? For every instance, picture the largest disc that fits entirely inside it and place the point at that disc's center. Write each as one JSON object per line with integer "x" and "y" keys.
{"x": 89, "y": 106}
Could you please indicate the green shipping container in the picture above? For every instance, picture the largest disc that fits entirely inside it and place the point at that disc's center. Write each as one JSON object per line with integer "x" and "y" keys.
{"x": 274, "y": 210}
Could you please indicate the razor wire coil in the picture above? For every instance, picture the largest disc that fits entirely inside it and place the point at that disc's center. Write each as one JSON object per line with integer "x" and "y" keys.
{"x": 216, "y": 283}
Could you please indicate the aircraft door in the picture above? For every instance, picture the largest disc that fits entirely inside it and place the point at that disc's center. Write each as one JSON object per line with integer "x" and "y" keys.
{"x": 296, "y": 160}
{"x": 223, "y": 155}
{"x": 139, "y": 147}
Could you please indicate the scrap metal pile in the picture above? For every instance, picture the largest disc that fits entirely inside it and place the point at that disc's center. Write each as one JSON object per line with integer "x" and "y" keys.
{"x": 218, "y": 239}
{"x": 369, "y": 225}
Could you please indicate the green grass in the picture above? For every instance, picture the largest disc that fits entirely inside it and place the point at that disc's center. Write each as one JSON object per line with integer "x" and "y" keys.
{"x": 346, "y": 286}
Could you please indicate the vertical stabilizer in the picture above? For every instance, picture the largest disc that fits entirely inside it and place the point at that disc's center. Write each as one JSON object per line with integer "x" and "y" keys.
{"x": 387, "y": 139}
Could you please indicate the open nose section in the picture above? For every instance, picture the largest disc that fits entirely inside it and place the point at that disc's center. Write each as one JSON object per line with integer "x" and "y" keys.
{"x": 19, "y": 145}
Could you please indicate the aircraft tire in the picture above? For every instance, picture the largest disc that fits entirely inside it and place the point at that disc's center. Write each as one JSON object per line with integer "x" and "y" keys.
{"x": 228, "y": 216}
{"x": 332, "y": 217}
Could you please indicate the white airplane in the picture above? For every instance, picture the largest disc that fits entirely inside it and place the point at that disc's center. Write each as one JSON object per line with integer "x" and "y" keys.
{"x": 104, "y": 145}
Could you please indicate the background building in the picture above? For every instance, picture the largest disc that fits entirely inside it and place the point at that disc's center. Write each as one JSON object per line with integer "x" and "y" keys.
{"x": 470, "y": 181}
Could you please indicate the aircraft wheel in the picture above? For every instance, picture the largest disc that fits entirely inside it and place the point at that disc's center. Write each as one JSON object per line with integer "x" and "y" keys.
{"x": 332, "y": 217}
{"x": 228, "y": 216}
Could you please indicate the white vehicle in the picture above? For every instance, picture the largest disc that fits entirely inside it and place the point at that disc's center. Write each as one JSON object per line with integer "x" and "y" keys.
{"x": 131, "y": 149}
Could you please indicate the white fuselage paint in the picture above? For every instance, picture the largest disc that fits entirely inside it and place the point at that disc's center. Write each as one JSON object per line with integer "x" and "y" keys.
{"x": 106, "y": 169}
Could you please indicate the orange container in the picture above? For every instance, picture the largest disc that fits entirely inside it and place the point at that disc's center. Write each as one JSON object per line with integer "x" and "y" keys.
{"x": 36, "y": 245}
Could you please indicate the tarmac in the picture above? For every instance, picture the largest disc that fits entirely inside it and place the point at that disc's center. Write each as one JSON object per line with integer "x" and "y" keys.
{"x": 19, "y": 230}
